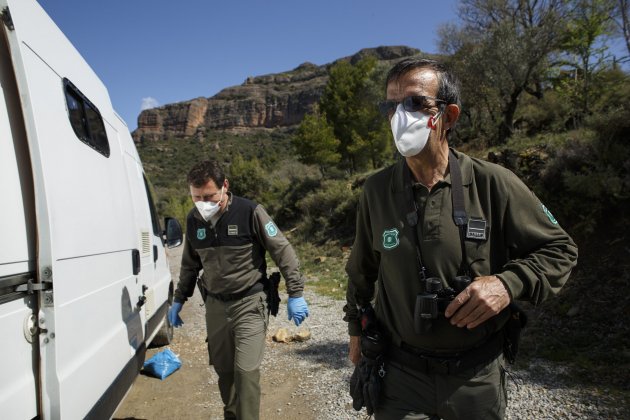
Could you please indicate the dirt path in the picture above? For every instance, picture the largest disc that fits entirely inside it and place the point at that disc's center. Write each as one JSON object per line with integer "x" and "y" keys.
{"x": 192, "y": 391}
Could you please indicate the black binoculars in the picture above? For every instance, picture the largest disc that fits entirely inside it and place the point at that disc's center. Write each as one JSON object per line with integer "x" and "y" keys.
{"x": 434, "y": 301}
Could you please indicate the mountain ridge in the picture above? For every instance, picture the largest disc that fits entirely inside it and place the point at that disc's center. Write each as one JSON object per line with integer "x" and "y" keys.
{"x": 267, "y": 101}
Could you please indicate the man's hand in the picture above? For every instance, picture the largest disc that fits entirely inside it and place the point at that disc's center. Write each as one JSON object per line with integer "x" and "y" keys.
{"x": 297, "y": 309}
{"x": 173, "y": 315}
{"x": 484, "y": 298}
{"x": 354, "y": 351}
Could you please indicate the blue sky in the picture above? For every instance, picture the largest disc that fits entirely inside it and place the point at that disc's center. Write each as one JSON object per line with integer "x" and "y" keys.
{"x": 160, "y": 52}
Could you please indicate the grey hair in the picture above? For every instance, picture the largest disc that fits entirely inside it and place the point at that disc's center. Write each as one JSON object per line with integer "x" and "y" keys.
{"x": 448, "y": 85}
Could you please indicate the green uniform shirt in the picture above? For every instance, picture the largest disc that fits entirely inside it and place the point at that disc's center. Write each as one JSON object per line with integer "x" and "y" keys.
{"x": 524, "y": 246}
{"x": 232, "y": 252}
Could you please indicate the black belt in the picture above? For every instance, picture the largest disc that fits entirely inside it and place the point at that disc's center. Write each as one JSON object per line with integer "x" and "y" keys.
{"x": 226, "y": 297}
{"x": 429, "y": 363}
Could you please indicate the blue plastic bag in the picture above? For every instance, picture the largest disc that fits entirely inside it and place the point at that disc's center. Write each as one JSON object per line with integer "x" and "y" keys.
{"x": 162, "y": 364}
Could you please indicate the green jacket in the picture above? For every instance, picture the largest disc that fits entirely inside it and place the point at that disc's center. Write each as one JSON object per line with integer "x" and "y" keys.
{"x": 524, "y": 246}
{"x": 232, "y": 253}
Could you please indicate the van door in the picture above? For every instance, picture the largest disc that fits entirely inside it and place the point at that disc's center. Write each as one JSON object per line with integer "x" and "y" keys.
{"x": 161, "y": 290}
{"x": 155, "y": 275}
{"x": 91, "y": 332}
{"x": 143, "y": 219}
{"x": 19, "y": 361}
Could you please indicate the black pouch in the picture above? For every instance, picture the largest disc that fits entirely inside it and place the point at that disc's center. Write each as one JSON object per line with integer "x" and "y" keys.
{"x": 366, "y": 383}
{"x": 367, "y": 379}
{"x": 273, "y": 297}
{"x": 512, "y": 332}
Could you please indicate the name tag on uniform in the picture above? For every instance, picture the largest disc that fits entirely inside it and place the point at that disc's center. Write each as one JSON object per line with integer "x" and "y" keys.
{"x": 476, "y": 229}
{"x": 232, "y": 230}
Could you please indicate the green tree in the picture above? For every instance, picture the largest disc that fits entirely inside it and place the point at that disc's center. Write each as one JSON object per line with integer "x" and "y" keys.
{"x": 349, "y": 103}
{"x": 176, "y": 206}
{"x": 622, "y": 21}
{"x": 479, "y": 116}
{"x": 315, "y": 142}
{"x": 585, "y": 51}
{"x": 507, "y": 44}
{"x": 248, "y": 178}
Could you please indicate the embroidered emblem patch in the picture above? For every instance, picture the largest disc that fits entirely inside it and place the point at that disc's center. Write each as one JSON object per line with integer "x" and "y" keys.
{"x": 201, "y": 233}
{"x": 549, "y": 215}
{"x": 390, "y": 238}
{"x": 271, "y": 229}
{"x": 232, "y": 230}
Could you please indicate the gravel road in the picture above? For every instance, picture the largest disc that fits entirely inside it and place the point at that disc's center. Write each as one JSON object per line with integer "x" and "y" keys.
{"x": 309, "y": 380}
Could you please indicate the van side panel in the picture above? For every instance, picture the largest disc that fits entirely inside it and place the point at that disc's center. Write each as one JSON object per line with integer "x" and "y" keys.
{"x": 84, "y": 189}
{"x": 19, "y": 361}
{"x": 92, "y": 234}
{"x": 18, "y": 389}
{"x": 88, "y": 347}
{"x": 90, "y": 221}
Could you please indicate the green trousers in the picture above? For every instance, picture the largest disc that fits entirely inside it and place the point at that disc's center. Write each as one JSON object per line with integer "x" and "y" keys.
{"x": 236, "y": 343}
{"x": 475, "y": 394}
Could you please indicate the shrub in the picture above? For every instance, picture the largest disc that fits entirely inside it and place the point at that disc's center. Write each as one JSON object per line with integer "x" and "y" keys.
{"x": 551, "y": 113}
{"x": 590, "y": 177}
{"x": 329, "y": 212}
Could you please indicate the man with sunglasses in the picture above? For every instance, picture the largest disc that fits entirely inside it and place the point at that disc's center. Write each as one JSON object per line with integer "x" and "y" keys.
{"x": 444, "y": 244}
{"x": 226, "y": 241}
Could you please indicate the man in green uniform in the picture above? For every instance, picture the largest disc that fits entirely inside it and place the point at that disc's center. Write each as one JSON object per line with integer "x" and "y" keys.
{"x": 445, "y": 361}
{"x": 226, "y": 239}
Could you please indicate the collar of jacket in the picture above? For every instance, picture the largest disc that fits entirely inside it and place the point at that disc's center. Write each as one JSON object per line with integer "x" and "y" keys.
{"x": 465, "y": 163}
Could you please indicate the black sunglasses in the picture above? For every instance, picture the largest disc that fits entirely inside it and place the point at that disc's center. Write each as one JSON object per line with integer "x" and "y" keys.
{"x": 411, "y": 104}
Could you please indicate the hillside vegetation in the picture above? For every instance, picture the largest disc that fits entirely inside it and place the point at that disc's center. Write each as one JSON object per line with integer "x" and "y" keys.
{"x": 542, "y": 96}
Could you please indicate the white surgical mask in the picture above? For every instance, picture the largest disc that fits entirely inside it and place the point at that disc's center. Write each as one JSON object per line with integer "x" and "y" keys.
{"x": 207, "y": 209}
{"x": 411, "y": 131}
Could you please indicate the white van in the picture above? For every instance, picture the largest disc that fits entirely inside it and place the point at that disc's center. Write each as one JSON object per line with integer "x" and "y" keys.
{"x": 84, "y": 281}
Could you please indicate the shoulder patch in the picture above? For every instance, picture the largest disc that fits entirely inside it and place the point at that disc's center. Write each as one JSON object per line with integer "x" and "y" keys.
{"x": 271, "y": 229}
{"x": 549, "y": 215}
{"x": 390, "y": 238}
{"x": 201, "y": 233}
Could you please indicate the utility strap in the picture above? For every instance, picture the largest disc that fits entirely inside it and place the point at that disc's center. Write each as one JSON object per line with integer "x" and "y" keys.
{"x": 460, "y": 217}
{"x": 412, "y": 220}
{"x": 459, "y": 209}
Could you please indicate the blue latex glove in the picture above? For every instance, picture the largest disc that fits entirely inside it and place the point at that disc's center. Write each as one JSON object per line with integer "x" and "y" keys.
{"x": 297, "y": 309}
{"x": 173, "y": 315}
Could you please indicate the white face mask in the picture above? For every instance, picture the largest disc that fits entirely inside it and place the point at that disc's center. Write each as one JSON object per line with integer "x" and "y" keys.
{"x": 411, "y": 131}
{"x": 207, "y": 209}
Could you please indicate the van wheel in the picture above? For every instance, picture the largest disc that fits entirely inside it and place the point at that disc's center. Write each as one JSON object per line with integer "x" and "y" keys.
{"x": 165, "y": 335}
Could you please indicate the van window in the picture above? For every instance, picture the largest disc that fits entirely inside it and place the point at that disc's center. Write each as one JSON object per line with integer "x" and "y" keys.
{"x": 155, "y": 221}
{"x": 85, "y": 119}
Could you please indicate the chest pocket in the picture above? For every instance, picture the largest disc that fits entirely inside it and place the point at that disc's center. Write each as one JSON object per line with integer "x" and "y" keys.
{"x": 431, "y": 206}
{"x": 234, "y": 230}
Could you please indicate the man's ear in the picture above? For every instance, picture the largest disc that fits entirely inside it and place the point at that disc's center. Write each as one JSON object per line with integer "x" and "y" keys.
{"x": 451, "y": 115}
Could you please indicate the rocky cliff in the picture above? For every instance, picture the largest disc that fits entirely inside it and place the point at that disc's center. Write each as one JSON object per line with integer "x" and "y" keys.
{"x": 270, "y": 101}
